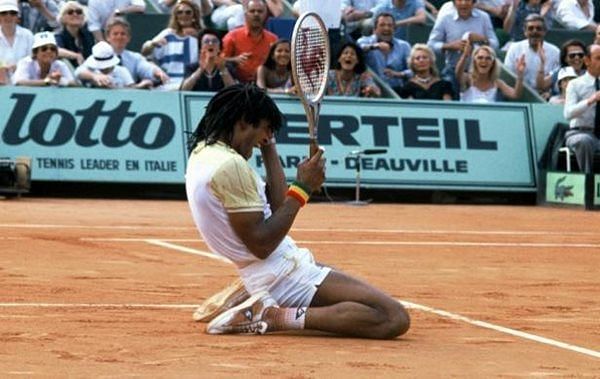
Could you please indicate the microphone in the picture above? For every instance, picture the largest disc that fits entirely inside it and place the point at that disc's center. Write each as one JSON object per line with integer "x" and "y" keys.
{"x": 368, "y": 152}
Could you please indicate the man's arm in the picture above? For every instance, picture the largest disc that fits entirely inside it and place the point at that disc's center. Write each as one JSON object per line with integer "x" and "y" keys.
{"x": 262, "y": 236}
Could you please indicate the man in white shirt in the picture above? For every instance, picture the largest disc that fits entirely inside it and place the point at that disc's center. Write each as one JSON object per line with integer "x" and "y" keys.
{"x": 541, "y": 57}
{"x": 247, "y": 219}
{"x": 576, "y": 14}
{"x": 99, "y": 11}
{"x": 581, "y": 109}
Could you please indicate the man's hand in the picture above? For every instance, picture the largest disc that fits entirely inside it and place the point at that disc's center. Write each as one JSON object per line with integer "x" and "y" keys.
{"x": 311, "y": 171}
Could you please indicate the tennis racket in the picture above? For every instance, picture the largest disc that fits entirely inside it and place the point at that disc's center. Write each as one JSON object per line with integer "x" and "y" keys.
{"x": 310, "y": 65}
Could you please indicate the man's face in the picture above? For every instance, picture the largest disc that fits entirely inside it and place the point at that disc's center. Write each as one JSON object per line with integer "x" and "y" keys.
{"x": 464, "y": 8}
{"x": 118, "y": 37}
{"x": 256, "y": 14}
{"x": 246, "y": 137}
{"x": 9, "y": 18}
{"x": 593, "y": 61}
{"x": 384, "y": 30}
{"x": 535, "y": 31}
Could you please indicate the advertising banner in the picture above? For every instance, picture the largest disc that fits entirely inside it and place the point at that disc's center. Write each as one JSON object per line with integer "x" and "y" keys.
{"x": 94, "y": 135}
{"x": 425, "y": 144}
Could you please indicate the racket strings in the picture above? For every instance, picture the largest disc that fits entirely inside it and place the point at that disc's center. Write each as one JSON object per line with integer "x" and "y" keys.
{"x": 312, "y": 60}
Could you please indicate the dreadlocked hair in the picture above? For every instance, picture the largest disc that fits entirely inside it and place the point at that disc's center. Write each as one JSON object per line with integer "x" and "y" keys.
{"x": 238, "y": 102}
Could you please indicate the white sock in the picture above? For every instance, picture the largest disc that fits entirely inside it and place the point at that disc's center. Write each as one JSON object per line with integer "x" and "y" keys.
{"x": 288, "y": 318}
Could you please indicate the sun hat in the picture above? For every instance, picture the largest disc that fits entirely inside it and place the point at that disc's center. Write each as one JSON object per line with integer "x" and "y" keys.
{"x": 566, "y": 72}
{"x": 9, "y": 5}
{"x": 43, "y": 38}
{"x": 103, "y": 56}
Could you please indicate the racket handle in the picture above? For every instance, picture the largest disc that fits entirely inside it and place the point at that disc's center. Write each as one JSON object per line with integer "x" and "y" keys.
{"x": 314, "y": 146}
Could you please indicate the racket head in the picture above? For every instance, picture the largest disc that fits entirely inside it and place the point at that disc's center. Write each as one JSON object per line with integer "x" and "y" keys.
{"x": 310, "y": 57}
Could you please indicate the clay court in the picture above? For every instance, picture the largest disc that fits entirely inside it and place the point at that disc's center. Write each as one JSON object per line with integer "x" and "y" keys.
{"x": 106, "y": 288}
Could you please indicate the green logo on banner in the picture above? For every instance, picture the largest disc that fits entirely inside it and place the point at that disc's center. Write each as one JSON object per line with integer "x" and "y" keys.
{"x": 565, "y": 188}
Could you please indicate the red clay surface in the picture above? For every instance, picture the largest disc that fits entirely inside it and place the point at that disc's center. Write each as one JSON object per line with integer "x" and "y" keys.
{"x": 87, "y": 291}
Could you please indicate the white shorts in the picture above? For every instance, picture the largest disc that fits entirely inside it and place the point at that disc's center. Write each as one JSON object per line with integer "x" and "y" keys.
{"x": 291, "y": 278}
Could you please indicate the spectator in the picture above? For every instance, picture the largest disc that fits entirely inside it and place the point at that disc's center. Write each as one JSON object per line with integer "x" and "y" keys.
{"x": 572, "y": 53}
{"x": 350, "y": 76}
{"x": 229, "y": 14}
{"x": 541, "y": 57}
{"x": 43, "y": 68}
{"x": 248, "y": 46}
{"x": 514, "y": 23}
{"x": 39, "y": 15}
{"x": 102, "y": 69}
{"x": 496, "y": 9}
{"x": 454, "y": 27}
{"x": 275, "y": 75}
{"x": 74, "y": 41}
{"x": 405, "y": 12}
{"x": 99, "y": 11}
{"x": 482, "y": 84}
{"x": 205, "y": 6}
{"x": 15, "y": 41}
{"x": 210, "y": 73}
{"x": 426, "y": 83}
{"x": 576, "y": 14}
{"x": 144, "y": 73}
{"x": 581, "y": 101}
{"x": 386, "y": 55}
{"x": 358, "y": 17}
{"x": 176, "y": 46}
{"x": 565, "y": 74}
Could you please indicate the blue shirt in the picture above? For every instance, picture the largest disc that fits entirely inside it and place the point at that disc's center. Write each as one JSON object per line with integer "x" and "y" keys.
{"x": 138, "y": 66}
{"x": 450, "y": 27}
{"x": 409, "y": 9}
{"x": 396, "y": 59}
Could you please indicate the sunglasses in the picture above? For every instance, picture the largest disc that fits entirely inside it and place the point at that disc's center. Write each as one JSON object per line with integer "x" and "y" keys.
{"x": 210, "y": 41}
{"x": 535, "y": 28}
{"x": 10, "y": 13}
{"x": 187, "y": 12}
{"x": 75, "y": 11}
{"x": 575, "y": 55}
{"x": 47, "y": 47}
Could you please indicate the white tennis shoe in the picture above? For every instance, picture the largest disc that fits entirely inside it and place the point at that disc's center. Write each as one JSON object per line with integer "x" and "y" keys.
{"x": 232, "y": 295}
{"x": 246, "y": 318}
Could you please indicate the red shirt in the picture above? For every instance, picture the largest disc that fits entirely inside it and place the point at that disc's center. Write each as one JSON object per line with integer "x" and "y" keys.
{"x": 240, "y": 41}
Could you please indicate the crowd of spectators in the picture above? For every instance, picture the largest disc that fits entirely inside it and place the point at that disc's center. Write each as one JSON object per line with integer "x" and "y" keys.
{"x": 209, "y": 44}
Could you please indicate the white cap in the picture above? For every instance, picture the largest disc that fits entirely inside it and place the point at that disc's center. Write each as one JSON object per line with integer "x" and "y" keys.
{"x": 9, "y": 5}
{"x": 566, "y": 72}
{"x": 103, "y": 56}
{"x": 43, "y": 38}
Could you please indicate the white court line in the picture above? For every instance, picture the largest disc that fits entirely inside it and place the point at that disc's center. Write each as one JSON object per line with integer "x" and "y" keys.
{"x": 502, "y": 329}
{"x": 91, "y": 305}
{"x": 407, "y": 304}
{"x": 187, "y": 250}
{"x": 324, "y": 230}
{"x": 383, "y": 243}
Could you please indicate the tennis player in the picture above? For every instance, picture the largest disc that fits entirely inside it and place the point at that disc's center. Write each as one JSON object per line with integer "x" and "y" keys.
{"x": 247, "y": 221}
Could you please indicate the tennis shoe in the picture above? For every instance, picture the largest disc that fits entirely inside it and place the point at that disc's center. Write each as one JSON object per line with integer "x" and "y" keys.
{"x": 246, "y": 318}
{"x": 232, "y": 295}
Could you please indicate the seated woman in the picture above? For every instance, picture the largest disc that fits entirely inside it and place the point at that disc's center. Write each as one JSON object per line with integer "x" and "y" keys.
{"x": 481, "y": 84}
{"x": 43, "y": 68}
{"x": 275, "y": 75}
{"x": 425, "y": 83}
{"x": 74, "y": 41}
{"x": 176, "y": 46}
{"x": 210, "y": 74}
{"x": 350, "y": 76}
